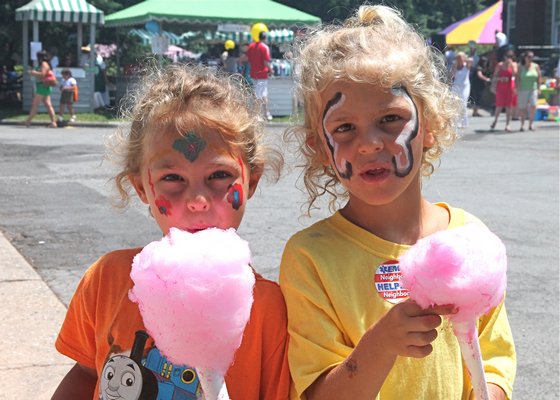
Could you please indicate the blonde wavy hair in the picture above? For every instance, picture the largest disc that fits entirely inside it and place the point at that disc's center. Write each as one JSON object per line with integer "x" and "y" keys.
{"x": 178, "y": 98}
{"x": 379, "y": 47}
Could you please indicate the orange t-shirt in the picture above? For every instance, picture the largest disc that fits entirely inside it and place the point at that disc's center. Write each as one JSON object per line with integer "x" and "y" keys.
{"x": 101, "y": 322}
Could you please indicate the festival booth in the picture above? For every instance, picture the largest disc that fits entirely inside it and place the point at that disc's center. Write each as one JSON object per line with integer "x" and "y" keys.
{"x": 480, "y": 27}
{"x": 77, "y": 12}
{"x": 219, "y": 20}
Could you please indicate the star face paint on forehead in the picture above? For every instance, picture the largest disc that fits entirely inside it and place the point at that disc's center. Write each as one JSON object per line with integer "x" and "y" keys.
{"x": 344, "y": 171}
{"x": 404, "y": 160}
{"x": 191, "y": 145}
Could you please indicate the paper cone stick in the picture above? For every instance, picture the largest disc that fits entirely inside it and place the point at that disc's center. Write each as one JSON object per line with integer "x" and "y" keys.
{"x": 213, "y": 385}
{"x": 470, "y": 348}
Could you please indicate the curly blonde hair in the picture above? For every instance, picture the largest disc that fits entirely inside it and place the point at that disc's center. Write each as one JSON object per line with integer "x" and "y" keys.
{"x": 375, "y": 46}
{"x": 180, "y": 97}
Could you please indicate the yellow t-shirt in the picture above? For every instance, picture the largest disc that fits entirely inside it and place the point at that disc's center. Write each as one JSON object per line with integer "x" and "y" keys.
{"x": 328, "y": 276}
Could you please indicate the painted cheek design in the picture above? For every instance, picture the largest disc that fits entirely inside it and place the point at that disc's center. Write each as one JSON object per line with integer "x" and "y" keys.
{"x": 235, "y": 195}
{"x": 151, "y": 182}
{"x": 240, "y": 161}
{"x": 345, "y": 170}
{"x": 190, "y": 146}
{"x": 163, "y": 205}
{"x": 404, "y": 160}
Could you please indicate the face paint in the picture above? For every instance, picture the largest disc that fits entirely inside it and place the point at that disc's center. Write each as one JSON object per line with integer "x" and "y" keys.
{"x": 191, "y": 145}
{"x": 240, "y": 161}
{"x": 344, "y": 171}
{"x": 404, "y": 160}
{"x": 163, "y": 205}
{"x": 235, "y": 195}
{"x": 151, "y": 182}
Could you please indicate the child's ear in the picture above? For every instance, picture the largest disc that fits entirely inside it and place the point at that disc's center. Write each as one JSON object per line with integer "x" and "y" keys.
{"x": 429, "y": 140}
{"x": 315, "y": 142}
{"x": 136, "y": 181}
{"x": 254, "y": 178}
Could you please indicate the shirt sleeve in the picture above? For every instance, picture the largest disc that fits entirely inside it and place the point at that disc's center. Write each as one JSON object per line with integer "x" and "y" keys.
{"x": 498, "y": 349}
{"x": 310, "y": 353}
{"x": 76, "y": 338}
{"x": 275, "y": 378}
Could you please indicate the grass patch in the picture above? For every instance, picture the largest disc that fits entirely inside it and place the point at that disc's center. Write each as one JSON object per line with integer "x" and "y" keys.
{"x": 17, "y": 114}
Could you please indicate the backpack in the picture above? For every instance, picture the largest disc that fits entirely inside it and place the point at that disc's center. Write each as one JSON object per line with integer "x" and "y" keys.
{"x": 75, "y": 98}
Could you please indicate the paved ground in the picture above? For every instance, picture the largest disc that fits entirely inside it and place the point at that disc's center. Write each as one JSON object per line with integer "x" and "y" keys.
{"x": 56, "y": 219}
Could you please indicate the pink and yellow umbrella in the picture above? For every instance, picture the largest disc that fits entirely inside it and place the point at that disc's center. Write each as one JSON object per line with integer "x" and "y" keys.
{"x": 480, "y": 27}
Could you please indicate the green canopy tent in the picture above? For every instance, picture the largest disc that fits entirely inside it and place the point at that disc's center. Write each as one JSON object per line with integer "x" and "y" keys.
{"x": 207, "y": 13}
{"x": 78, "y": 12}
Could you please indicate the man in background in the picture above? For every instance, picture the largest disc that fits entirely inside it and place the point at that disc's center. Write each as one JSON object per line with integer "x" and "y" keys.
{"x": 258, "y": 54}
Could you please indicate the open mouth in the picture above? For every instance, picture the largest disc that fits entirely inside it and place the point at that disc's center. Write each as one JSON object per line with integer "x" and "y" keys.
{"x": 375, "y": 173}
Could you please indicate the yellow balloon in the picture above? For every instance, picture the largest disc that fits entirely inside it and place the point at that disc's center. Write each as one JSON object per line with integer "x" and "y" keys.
{"x": 256, "y": 29}
{"x": 229, "y": 44}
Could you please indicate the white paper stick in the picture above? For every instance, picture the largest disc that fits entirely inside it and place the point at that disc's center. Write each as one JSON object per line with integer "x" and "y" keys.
{"x": 213, "y": 385}
{"x": 467, "y": 336}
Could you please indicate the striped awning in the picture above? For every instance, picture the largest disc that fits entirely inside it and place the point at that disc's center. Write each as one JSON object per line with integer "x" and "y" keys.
{"x": 146, "y": 36}
{"x": 274, "y": 36}
{"x": 60, "y": 11}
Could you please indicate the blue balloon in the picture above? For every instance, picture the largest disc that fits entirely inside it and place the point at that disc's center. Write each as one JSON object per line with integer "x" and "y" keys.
{"x": 152, "y": 26}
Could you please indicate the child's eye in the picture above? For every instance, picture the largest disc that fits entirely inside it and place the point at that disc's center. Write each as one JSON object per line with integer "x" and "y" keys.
{"x": 172, "y": 178}
{"x": 343, "y": 128}
{"x": 391, "y": 118}
{"x": 220, "y": 175}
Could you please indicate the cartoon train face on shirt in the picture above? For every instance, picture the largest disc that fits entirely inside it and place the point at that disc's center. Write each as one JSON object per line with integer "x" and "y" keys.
{"x": 151, "y": 378}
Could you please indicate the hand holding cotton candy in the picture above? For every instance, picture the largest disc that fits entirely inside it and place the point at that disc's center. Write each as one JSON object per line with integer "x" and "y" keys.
{"x": 195, "y": 292}
{"x": 465, "y": 267}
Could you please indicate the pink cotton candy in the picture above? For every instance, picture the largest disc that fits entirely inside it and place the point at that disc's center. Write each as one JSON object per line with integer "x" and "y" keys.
{"x": 465, "y": 266}
{"x": 195, "y": 292}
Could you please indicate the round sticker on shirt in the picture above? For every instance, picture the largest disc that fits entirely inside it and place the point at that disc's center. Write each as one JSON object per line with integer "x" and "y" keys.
{"x": 388, "y": 282}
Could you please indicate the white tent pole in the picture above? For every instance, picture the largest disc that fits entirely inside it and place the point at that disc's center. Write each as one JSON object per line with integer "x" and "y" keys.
{"x": 35, "y": 38}
{"x": 92, "y": 44}
{"x": 79, "y": 43}
{"x": 25, "y": 44}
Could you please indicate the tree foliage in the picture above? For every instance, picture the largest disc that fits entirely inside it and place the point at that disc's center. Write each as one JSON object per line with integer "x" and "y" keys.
{"x": 429, "y": 16}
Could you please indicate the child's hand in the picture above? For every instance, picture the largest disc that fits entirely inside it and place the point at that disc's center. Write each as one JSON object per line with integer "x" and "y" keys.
{"x": 411, "y": 329}
{"x": 494, "y": 392}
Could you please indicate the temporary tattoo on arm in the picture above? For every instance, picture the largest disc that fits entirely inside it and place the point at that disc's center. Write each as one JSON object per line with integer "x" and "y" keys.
{"x": 351, "y": 367}
{"x": 191, "y": 145}
{"x": 235, "y": 195}
{"x": 345, "y": 171}
{"x": 163, "y": 205}
{"x": 404, "y": 160}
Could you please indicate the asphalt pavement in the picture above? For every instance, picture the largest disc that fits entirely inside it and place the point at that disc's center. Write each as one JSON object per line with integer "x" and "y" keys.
{"x": 509, "y": 180}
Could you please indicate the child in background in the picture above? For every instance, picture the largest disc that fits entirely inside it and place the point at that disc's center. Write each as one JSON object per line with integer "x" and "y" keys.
{"x": 378, "y": 113}
{"x": 68, "y": 90}
{"x": 194, "y": 154}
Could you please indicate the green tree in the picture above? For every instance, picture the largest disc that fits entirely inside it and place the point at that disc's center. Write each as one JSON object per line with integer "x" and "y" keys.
{"x": 429, "y": 16}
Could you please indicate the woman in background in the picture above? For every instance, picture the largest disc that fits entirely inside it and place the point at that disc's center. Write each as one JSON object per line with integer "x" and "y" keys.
{"x": 504, "y": 74}
{"x": 479, "y": 80}
{"x": 42, "y": 91}
{"x": 528, "y": 82}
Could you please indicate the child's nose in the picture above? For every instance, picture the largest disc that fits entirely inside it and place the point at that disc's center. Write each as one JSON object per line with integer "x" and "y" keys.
{"x": 198, "y": 203}
{"x": 371, "y": 141}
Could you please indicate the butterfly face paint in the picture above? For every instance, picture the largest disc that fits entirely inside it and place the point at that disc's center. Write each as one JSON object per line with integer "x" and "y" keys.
{"x": 235, "y": 190}
{"x": 404, "y": 160}
{"x": 190, "y": 146}
{"x": 344, "y": 170}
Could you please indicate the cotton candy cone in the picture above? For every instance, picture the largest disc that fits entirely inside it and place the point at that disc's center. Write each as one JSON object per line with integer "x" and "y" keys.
{"x": 467, "y": 337}
{"x": 213, "y": 385}
{"x": 195, "y": 292}
{"x": 465, "y": 267}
